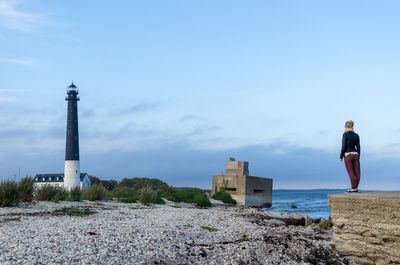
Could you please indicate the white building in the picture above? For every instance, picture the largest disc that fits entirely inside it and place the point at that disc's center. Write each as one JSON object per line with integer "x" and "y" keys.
{"x": 57, "y": 180}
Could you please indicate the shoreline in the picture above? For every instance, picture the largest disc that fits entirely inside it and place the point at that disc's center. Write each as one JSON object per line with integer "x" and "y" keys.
{"x": 175, "y": 233}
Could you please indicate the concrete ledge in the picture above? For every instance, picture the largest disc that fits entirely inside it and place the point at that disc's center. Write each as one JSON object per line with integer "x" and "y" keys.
{"x": 367, "y": 226}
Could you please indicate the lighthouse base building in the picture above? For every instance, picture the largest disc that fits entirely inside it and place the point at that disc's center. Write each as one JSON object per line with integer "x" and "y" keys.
{"x": 57, "y": 180}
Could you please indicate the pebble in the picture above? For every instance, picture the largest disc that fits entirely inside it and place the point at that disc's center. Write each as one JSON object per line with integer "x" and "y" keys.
{"x": 120, "y": 233}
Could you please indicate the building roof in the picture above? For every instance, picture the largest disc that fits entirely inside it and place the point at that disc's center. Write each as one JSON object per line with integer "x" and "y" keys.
{"x": 54, "y": 177}
{"x": 72, "y": 85}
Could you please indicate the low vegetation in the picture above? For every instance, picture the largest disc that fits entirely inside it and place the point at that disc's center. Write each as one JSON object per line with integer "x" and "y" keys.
{"x": 73, "y": 211}
{"x": 148, "y": 195}
{"x": 50, "y": 193}
{"x": 193, "y": 195}
{"x": 224, "y": 197}
{"x": 75, "y": 194}
{"x": 149, "y": 191}
{"x": 124, "y": 194}
{"x": 8, "y": 194}
{"x": 143, "y": 190}
{"x": 26, "y": 189}
{"x": 95, "y": 192}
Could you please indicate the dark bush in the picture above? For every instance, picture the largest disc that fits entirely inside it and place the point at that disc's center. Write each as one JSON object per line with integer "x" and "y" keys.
{"x": 109, "y": 184}
{"x": 26, "y": 189}
{"x": 196, "y": 196}
{"x": 139, "y": 183}
{"x": 75, "y": 194}
{"x": 201, "y": 200}
{"x": 95, "y": 192}
{"x": 224, "y": 197}
{"x": 50, "y": 193}
{"x": 169, "y": 196}
{"x": 8, "y": 194}
{"x": 122, "y": 192}
{"x": 94, "y": 180}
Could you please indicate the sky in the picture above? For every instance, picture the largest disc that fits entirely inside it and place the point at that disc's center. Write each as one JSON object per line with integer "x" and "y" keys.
{"x": 172, "y": 89}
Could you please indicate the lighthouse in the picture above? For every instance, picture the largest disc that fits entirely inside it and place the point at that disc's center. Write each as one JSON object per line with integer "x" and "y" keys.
{"x": 71, "y": 166}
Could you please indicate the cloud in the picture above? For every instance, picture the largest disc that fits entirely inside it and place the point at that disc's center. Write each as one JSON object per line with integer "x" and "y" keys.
{"x": 141, "y": 107}
{"x": 6, "y": 99}
{"x": 135, "y": 108}
{"x": 15, "y": 90}
{"x": 88, "y": 113}
{"x": 190, "y": 118}
{"x": 13, "y": 18}
{"x": 180, "y": 164}
{"x": 11, "y": 133}
{"x": 16, "y": 61}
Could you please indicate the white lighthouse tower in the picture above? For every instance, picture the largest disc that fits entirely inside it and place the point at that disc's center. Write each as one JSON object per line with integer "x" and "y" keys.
{"x": 72, "y": 168}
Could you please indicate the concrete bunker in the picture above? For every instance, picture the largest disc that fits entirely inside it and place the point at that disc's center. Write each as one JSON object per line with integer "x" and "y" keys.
{"x": 245, "y": 189}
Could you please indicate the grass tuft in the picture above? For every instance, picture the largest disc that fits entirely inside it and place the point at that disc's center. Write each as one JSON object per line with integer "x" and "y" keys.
{"x": 26, "y": 189}
{"x": 95, "y": 192}
{"x": 75, "y": 194}
{"x": 74, "y": 211}
{"x": 51, "y": 193}
{"x": 147, "y": 195}
{"x": 8, "y": 194}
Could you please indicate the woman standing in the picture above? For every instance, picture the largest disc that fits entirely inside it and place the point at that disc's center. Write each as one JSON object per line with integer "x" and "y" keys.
{"x": 351, "y": 154}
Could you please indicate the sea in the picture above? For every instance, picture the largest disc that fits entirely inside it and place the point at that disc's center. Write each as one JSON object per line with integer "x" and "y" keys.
{"x": 313, "y": 203}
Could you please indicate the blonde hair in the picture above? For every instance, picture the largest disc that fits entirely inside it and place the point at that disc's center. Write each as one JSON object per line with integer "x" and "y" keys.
{"x": 348, "y": 126}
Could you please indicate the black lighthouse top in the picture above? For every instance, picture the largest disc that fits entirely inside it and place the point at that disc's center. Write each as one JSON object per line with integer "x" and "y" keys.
{"x": 72, "y": 141}
{"x": 72, "y": 92}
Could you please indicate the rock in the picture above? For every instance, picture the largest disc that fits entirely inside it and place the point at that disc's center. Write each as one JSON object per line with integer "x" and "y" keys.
{"x": 367, "y": 233}
{"x": 367, "y": 226}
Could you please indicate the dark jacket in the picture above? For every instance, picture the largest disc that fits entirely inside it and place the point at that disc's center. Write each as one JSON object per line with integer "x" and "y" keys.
{"x": 350, "y": 143}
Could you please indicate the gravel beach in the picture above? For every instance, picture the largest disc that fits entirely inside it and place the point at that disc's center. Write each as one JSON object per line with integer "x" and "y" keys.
{"x": 119, "y": 233}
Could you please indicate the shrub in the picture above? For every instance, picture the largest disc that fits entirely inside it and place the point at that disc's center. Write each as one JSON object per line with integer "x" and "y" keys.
{"x": 122, "y": 192}
{"x": 109, "y": 184}
{"x": 169, "y": 196}
{"x": 75, "y": 194}
{"x": 201, "y": 200}
{"x": 50, "y": 193}
{"x": 224, "y": 197}
{"x": 8, "y": 194}
{"x": 139, "y": 183}
{"x": 95, "y": 192}
{"x": 26, "y": 189}
{"x": 185, "y": 195}
{"x": 60, "y": 195}
{"x": 147, "y": 195}
{"x": 196, "y": 196}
